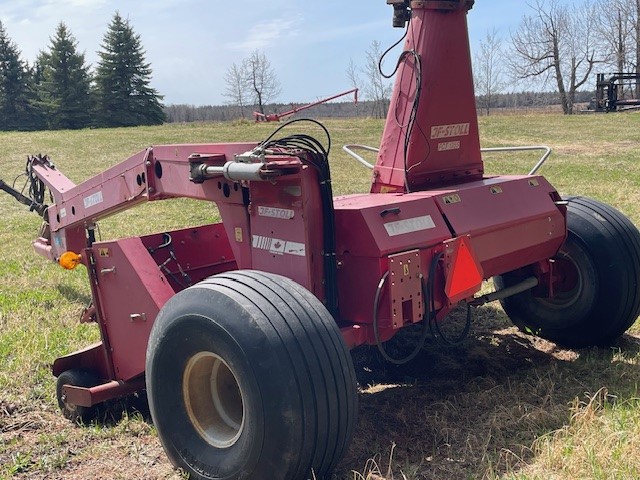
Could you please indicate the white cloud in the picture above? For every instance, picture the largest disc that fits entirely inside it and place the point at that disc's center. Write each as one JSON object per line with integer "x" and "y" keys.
{"x": 264, "y": 35}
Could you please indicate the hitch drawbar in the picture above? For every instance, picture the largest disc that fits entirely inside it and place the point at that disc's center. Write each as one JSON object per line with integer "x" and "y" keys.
{"x": 32, "y": 204}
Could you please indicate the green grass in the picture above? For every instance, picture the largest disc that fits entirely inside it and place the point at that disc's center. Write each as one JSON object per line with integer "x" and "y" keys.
{"x": 503, "y": 406}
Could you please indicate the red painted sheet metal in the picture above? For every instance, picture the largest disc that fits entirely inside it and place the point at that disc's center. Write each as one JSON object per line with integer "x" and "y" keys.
{"x": 131, "y": 291}
{"x": 54, "y": 179}
{"x": 443, "y": 144}
{"x": 286, "y": 229}
{"x": 152, "y": 174}
{"x": 169, "y": 172}
{"x": 511, "y": 221}
{"x": 93, "y": 357}
{"x": 377, "y": 225}
{"x": 198, "y": 252}
{"x": 371, "y": 227}
{"x": 100, "y": 195}
{"x": 359, "y": 277}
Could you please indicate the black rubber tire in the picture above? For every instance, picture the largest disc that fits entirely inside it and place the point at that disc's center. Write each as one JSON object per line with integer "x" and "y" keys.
{"x": 294, "y": 374}
{"x": 79, "y": 378}
{"x": 604, "y": 247}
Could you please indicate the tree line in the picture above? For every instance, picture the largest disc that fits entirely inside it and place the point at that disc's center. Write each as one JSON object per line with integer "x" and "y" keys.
{"x": 555, "y": 47}
{"x": 561, "y": 45}
{"x": 550, "y": 59}
{"x": 505, "y": 102}
{"x": 184, "y": 113}
{"x": 60, "y": 91}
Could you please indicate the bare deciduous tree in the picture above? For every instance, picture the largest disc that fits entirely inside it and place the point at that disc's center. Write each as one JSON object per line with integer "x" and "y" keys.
{"x": 352, "y": 74}
{"x": 262, "y": 79}
{"x": 488, "y": 74}
{"x": 378, "y": 88}
{"x": 636, "y": 30}
{"x": 557, "y": 42}
{"x": 354, "y": 78}
{"x": 237, "y": 89}
{"x": 616, "y": 27}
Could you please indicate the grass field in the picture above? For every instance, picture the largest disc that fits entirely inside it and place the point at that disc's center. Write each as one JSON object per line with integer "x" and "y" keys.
{"x": 503, "y": 405}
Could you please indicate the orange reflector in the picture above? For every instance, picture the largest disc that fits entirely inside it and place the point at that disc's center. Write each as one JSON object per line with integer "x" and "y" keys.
{"x": 69, "y": 260}
{"x": 464, "y": 276}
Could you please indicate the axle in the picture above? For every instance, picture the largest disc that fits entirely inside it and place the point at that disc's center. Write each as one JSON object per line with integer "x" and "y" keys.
{"x": 39, "y": 208}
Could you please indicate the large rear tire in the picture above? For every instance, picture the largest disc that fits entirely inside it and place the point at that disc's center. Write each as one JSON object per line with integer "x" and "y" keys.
{"x": 597, "y": 294}
{"x": 248, "y": 377}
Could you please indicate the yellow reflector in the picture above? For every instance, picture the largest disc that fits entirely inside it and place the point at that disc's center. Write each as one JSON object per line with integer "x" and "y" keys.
{"x": 69, "y": 260}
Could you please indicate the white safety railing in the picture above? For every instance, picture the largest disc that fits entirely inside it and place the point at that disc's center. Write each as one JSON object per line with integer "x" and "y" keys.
{"x": 349, "y": 149}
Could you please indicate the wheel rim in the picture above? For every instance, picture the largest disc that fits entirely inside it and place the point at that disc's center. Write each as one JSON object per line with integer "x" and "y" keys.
{"x": 573, "y": 283}
{"x": 568, "y": 283}
{"x": 213, "y": 399}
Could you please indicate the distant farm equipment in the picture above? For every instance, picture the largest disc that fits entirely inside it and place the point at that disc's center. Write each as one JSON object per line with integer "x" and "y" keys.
{"x": 276, "y": 117}
{"x": 618, "y": 92}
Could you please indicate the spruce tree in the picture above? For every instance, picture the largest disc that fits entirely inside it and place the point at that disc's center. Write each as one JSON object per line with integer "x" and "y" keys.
{"x": 122, "y": 80}
{"x": 64, "y": 85}
{"x": 18, "y": 109}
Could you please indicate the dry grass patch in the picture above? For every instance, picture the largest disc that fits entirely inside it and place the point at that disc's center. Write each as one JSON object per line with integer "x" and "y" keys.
{"x": 502, "y": 405}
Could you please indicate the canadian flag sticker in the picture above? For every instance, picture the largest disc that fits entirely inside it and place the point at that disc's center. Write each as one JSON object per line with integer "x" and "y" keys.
{"x": 278, "y": 246}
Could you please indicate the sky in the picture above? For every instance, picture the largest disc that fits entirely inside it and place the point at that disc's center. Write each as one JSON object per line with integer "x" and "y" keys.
{"x": 191, "y": 43}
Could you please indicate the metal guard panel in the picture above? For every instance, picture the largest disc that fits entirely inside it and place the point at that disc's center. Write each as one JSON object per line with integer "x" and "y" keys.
{"x": 131, "y": 291}
{"x": 376, "y": 225}
{"x": 512, "y": 221}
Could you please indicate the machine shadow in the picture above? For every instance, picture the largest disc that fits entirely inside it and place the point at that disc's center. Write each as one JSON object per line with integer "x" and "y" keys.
{"x": 474, "y": 410}
{"x": 112, "y": 412}
{"x": 74, "y": 295}
{"x": 466, "y": 411}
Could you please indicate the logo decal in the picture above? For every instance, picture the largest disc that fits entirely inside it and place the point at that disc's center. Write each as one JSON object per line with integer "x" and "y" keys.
{"x": 93, "y": 200}
{"x": 409, "y": 225}
{"x": 446, "y": 131}
{"x": 271, "y": 212}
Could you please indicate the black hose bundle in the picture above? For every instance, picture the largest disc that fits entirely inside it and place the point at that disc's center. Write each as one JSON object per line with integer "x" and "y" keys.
{"x": 37, "y": 188}
{"x": 317, "y": 156}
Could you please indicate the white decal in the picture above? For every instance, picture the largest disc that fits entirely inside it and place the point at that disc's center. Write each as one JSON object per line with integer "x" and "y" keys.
{"x": 446, "y": 131}
{"x": 93, "y": 200}
{"x": 278, "y": 246}
{"x": 295, "y": 248}
{"x": 409, "y": 225}
{"x": 446, "y": 146}
{"x": 271, "y": 212}
{"x": 63, "y": 212}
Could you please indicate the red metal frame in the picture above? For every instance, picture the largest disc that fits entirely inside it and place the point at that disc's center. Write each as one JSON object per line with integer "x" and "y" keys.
{"x": 430, "y": 212}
